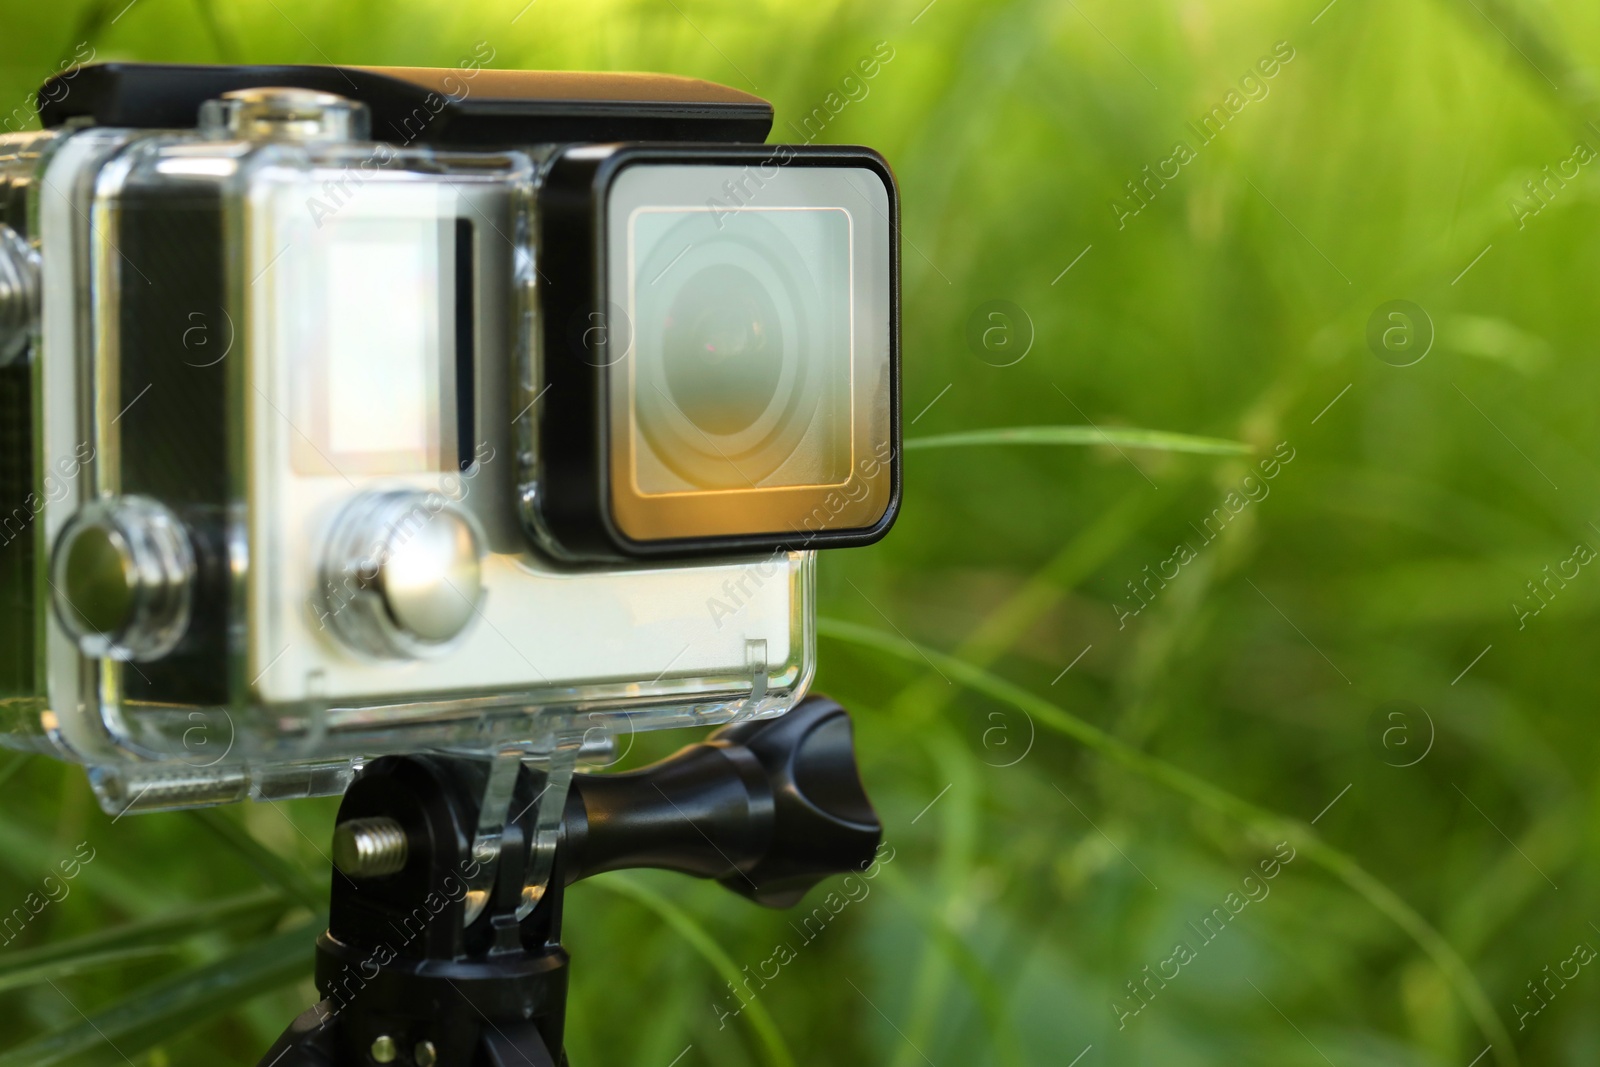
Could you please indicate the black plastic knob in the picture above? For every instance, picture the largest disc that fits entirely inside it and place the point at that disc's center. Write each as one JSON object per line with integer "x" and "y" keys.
{"x": 769, "y": 808}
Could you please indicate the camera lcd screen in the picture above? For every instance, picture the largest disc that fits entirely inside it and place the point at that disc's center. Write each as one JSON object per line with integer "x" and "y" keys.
{"x": 383, "y": 382}
{"x": 381, "y": 369}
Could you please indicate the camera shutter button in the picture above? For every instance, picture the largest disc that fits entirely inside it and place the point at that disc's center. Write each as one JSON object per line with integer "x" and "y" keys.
{"x": 122, "y": 577}
{"x": 402, "y": 577}
{"x": 285, "y": 113}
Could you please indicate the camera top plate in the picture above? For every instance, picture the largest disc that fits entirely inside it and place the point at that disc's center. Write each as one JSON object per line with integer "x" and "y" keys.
{"x": 480, "y": 108}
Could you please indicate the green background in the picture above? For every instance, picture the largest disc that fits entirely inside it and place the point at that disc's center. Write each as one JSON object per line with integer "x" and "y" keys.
{"x": 1056, "y": 831}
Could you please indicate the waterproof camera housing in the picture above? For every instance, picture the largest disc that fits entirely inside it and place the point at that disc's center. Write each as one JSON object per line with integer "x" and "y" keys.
{"x": 358, "y": 411}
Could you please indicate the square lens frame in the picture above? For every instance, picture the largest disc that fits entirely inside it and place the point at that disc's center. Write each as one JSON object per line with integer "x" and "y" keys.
{"x": 582, "y": 494}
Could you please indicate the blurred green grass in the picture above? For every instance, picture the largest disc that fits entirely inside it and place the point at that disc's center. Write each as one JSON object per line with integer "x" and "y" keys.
{"x": 1253, "y": 691}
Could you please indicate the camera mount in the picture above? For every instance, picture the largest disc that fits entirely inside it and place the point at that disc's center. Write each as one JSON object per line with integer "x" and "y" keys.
{"x": 441, "y": 950}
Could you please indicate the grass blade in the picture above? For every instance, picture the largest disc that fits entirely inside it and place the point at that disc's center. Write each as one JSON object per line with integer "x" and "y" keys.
{"x": 24, "y": 850}
{"x": 274, "y": 868}
{"x": 1119, "y": 437}
{"x": 958, "y": 841}
{"x": 161, "y": 930}
{"x": 1265, "y": 823}
{"x": 925, "y": 698}
{"x": 772, "y": 1043}
{"x": 159, "y": 1012}
{"x": 22, "y": 977}
{"x": 941, "y": 932}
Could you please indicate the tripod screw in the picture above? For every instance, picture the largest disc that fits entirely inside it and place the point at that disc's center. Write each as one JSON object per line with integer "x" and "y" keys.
{"x": 370, "y": 848}
{"x": 383, "y": 1050}
{"x": 425, "y": 1054}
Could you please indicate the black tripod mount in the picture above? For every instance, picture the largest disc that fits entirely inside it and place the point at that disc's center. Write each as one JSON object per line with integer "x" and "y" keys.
{"x": 443, "y": 946}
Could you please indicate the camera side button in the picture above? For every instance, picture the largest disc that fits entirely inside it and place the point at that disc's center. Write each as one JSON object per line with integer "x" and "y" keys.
{"x": 122, "y": 577}
{"x": 402, "y": 575}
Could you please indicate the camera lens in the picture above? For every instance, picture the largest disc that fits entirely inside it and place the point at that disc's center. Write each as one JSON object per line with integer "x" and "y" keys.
{"x": 742, "y": 373}
{"x": 748, "y": 381}
{"x": 722, "y": 349}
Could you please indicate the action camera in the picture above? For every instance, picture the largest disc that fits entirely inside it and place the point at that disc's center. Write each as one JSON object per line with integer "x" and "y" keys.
{"x": 359, "y": 411}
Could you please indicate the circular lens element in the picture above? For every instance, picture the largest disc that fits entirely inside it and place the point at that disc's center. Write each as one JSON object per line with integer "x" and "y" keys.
{"x": 723, "y": 349}
{"x": 742, "y": 372}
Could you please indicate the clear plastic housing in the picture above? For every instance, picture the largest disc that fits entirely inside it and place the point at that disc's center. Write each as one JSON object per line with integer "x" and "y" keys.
{"x": 253, "y": 333}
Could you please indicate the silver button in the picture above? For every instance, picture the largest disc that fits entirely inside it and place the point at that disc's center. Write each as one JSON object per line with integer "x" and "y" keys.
{"x": 122, "y": 577}
{"x": 283, "y": 113}
{"x": 402, "y": 575}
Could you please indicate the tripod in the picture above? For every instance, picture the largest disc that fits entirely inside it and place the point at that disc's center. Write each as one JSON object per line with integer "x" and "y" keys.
{"x": 443, "y": 946}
